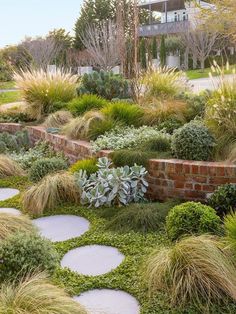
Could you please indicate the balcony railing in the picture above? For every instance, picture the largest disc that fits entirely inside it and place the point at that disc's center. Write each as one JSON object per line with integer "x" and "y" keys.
{"x": 163, "y": 28}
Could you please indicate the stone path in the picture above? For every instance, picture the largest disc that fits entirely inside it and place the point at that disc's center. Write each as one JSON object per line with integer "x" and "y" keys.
{"x": 12, "y": 106}
{"x": 61, "y": 227}
{"x": 7, "y": 193}
{"x": 202, "y": 84}
{"x": 89, "y": 260}
{"x": 92, "y": 260}
{"x": 107, "y": 301}
{"x": 11, "y": 211}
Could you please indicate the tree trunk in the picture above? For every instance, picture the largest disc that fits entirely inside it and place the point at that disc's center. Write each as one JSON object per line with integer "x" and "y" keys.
{"x": 202, "y": 64}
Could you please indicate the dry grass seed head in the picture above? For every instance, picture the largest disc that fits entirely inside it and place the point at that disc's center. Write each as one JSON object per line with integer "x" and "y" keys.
{"x": 9, "y": 167}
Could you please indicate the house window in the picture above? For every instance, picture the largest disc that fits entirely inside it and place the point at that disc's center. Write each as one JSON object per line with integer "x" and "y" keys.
{"x": 176, "y": 17}
{"x": 184, "y": 16}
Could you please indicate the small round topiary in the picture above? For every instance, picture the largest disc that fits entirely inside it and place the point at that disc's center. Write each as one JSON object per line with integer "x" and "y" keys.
{"x": 223, "y": 200}
{"x": 193, "y": 142}
{"x": 21, "y": 253}
{"x": 44, "y": 166}
{"x": 192, "y": 218}
{"x": 88, "y": 165}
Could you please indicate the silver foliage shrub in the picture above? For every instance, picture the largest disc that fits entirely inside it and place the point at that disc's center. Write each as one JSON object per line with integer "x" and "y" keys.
{"x": 112, "y": 186}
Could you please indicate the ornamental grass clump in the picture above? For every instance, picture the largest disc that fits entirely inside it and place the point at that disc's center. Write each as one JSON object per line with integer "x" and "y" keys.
{"x": 128, "y": 114}
{"x": 50, "y": 192}
{"x": 58, "y": 119}
{"x": 10, "y": 224}
{"x": 41, "y": 89}
{"x": 88, "y": 165}
{"x": 230, "y": 233}
{"x": 84, "y": 103}
{"x": 194, "y": 270}
{"x": 220, "y": 115}
{"x": 8, "y": 167}
{"x": 80, "y": 127}
{"x": 163, "y": 82}
{"x": 34, "y": 294}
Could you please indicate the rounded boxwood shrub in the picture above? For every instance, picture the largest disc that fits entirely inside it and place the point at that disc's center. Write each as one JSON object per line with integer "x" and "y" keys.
{"x": 44, "y": 166}
{"x": 21, "y": 253}
{"x": 88, "y": 165}
{"x": 85, "y": 103}
{"x": 193, "y": 142}
{"x": 192, "y": 218}
{"x": 223, "y": 200}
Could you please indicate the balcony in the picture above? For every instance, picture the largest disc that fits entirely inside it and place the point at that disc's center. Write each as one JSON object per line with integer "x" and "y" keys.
{"x": 163, "y": 28}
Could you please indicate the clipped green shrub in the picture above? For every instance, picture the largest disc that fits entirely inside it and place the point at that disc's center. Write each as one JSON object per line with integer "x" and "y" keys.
{"x": 170, "y": 125}
{"x": 129, "y": 114}
{"x": 85, "y": 103}
{"x": 22, "y": 253}
{"x": 141, "y": 217}
{"x": 88, "y": 165}
{"x": 195, "y": 270}
{"x": 127, "y": 157}
{"x": 223, "y": 200}
{"x": 192, "y": 218}
{"x": 44, "y": 166}
{"x": 193, "y": 142}
{"x": 104, "y": 84}
{"x": 15, "y": 142}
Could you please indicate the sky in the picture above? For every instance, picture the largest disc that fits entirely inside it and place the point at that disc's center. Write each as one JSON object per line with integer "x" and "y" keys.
{"x": 20, "y": 18}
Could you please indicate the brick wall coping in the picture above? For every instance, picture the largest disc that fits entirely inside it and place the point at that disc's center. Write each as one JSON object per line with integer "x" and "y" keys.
{"x": 168, "y": 178}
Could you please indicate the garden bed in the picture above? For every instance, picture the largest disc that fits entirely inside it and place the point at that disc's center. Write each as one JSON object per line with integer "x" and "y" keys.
{"x": 168, "y": 178}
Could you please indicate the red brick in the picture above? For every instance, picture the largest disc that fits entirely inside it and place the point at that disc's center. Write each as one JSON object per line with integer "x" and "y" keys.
{"x": 195, "y": 169}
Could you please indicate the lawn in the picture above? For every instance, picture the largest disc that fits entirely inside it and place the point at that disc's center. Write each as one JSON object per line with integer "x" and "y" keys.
{"x": 198, "y": 73}
{"x": 134, "y": 245}
{"x": 7, "y": 85}
{"x": 8, "y": 97}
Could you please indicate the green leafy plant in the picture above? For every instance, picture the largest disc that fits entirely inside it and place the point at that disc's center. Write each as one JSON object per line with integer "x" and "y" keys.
{"x": 141, "y": 217}
{"x": 192, "y": 218}
{"x": 100, "y": 127}
{"x": 223, "y": 200}
{"x": 50, "y": 192}
{"x": 44, "y": 166}
{"x": 128, "y": 114}
{"x": 3, "y": 147}
{"x": 104, "y": 84}
{"x": 230, "y": 231}
{"x": 194, "y": 270}
{"x": 125, "y": 137}
{"x": 42, "y": 89}
{"x": 163, "y": 51}
{"x": 35, "y": 294}
{"x": 88, "y": 165}
{"x": 9, "y": 224}
{"x": 112, "y": 185}
{"x": 193, "y": 142}
{"x": 84, "y": 103}
{"x": 160, "y": 143}
{"x": 25, "y": 252}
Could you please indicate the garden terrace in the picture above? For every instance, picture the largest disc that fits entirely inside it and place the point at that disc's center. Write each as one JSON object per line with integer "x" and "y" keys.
{"x": 168, "y": 178}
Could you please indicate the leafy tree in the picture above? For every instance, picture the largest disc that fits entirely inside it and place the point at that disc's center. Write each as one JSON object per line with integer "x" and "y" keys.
{"x": 154, "y": 48}
{"x": 93, "y": 12}
{"x": 163, "y": 51}
{"x": 143, "y": 60}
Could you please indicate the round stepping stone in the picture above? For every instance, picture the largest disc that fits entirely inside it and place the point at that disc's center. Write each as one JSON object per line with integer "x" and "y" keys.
{"x": 7, "y": 193}
{"x": 108, "y": 301}
{"x": 11, "y": 211}
{"x": 61, "y": 227}
{"x": 92, "y": 260}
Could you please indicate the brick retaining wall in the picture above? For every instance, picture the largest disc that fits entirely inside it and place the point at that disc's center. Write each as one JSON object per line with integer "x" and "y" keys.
{"x": 172, "y": 178}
